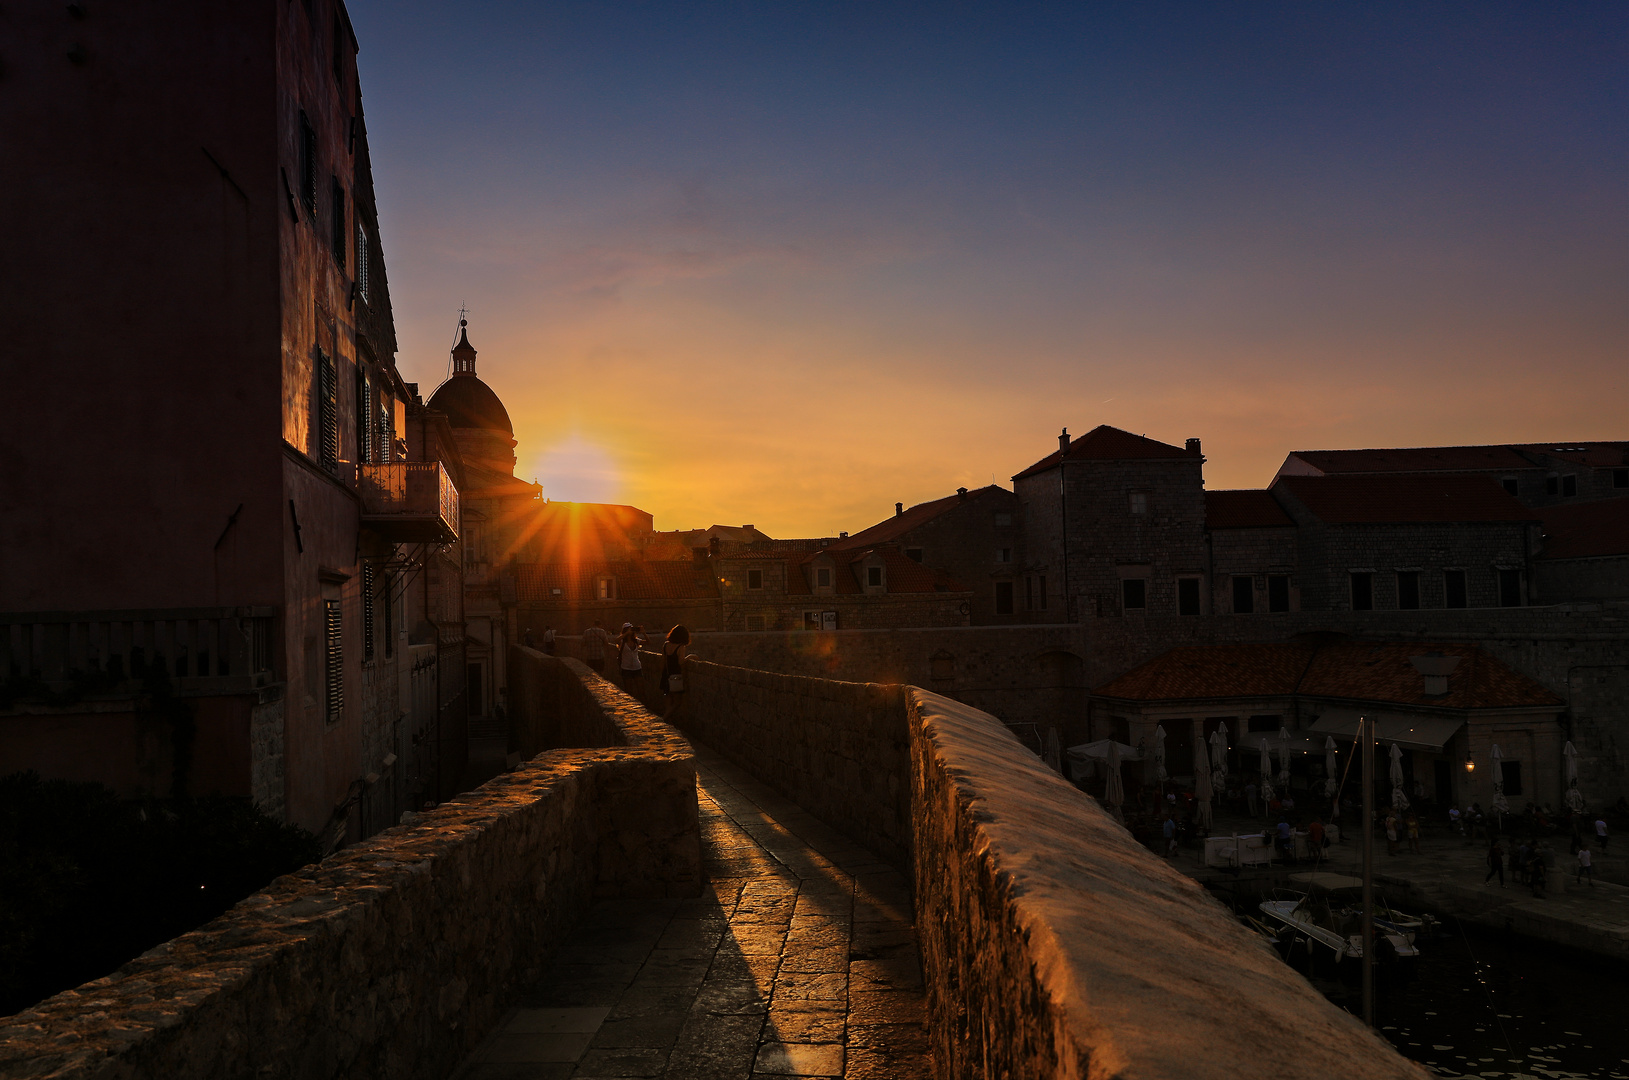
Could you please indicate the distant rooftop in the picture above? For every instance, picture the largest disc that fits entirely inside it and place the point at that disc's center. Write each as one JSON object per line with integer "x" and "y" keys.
{"x": 1344, "y": 500}
{"x": 1105, "y": 443}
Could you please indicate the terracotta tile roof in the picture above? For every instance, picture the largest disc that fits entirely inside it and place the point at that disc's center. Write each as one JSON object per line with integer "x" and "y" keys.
{"x": 1600, "y": 455}
{"x": 1586, "y": 530}
{"x": 1382, "y": 671}
{"x": 1345, "y": 500}
{"x": 1244, "y": 509}
{"x": 1205, "y": 671}
{"x": 1104, "y": 443}
{"x": 900, "y": 524}
{"x": 1415, "y": 459}
{"x": 635, "y": 580}
{"x": 1354, "y": 670}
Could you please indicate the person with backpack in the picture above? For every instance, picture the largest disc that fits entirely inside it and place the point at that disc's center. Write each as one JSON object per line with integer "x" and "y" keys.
{"x": 673, "y": 649}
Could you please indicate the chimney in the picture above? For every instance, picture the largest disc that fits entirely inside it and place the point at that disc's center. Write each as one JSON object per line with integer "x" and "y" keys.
{"x": 961, "y": 493}
{"x": 899, "y": 508}
{"x": 1063, "y": 441}
{"x": 1436, "y": 668}
{"x": 1193, "y": 446}
{"x": 712, "y": 547}
{"x": 842, "y": 536}
{"x": 746, "y": 528}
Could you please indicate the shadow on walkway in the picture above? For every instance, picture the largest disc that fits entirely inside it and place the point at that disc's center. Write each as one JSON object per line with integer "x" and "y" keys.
{"x": 799, "y": 959}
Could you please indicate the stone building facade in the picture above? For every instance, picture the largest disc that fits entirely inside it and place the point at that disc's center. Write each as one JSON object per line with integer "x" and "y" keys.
{"x": 241, "y": 520}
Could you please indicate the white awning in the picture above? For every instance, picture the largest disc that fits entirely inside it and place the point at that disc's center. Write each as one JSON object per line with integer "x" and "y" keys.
{"x": 1429, "y": 733}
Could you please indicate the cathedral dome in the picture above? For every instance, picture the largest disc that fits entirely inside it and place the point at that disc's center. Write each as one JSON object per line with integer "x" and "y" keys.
{"x": 467, "y": 401}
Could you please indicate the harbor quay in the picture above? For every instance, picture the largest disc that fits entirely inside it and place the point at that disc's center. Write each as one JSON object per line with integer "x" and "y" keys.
{"x": 1447, "y": 876}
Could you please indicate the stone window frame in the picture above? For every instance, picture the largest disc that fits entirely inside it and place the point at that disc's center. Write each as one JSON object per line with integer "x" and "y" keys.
{"x": 1511, "y": 484}
{"x": 1569, "y": 485}
{"x": 1250, "y": 580}
{"x": 1137, "y": 503}
{"x": 755, "y": 578}
{"x": 1353, "y": 575}
{"x": 1003, "y": 556}
{"x": 826, "y": 585}
{"x": 605, "y": 587}
{"x": 1464, "y": 585}
{"x": 1289, "y": 595}
{"x": 1418, "y": 574}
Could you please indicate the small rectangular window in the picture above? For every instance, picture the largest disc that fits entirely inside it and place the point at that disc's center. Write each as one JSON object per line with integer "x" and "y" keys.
{"x": 914, "y": 554}
{"x": 823, "y": 578}
{"x": 1552, "y": 485}
{"x": 1187, "y": 596}
{"x": 755, "y": 579}
{"x": 1134, "y": 594}
{"x": 1003, "y": 598}
{"x": 1363, "y": 592}
{"x": 1408, "y": 590}
{"x": 1003, "y": 555}
{"x": 1620, "y": 478}
{"x": 1510, "y": 588}
{"x": 1510, "y": 485}
{"x": 1453, "y": 588}
{"x": 341, "y": 232}
{"x": 1278, "y": 592}
{"x": 607, "y": 588}
{"x": 1244, "y": 594}
{"x": 873, "y": 576}
{"x": 1003, "y": 520}
{"x": 1139, "y": 502}
{"x": 1569, "y": 486}
{"x": 333, "y": 661}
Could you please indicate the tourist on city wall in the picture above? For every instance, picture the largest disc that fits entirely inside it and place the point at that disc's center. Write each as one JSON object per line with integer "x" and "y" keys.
{"x": 1250, "y": 797}
{"x": 1411, "y": 825}
{"x": 1584, "y": 867}
{"x": 629, "y": 664}
{"x": 1600, "y": 833}
{"x": 548, "y": 641}
{"x": 673, "y": 669}
{"x": 595, "y": 638}
{"x": 526, "y": 639}
{"x": 1496, "y": 864}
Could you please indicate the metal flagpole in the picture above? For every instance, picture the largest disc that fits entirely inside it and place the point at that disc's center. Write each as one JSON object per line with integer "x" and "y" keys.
{"x": 1366, "y": 730}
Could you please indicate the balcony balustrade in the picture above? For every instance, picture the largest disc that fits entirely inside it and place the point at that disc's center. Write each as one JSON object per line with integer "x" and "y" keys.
{"x": 410, "y": 502}
{"x": 89, "y": 654}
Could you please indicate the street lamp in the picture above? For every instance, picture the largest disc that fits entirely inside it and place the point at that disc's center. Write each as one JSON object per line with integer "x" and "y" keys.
{"x": 1470, "y": 766}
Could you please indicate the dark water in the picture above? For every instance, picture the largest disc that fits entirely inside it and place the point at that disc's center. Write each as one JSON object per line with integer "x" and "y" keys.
{"x": 1501, "y": 1007}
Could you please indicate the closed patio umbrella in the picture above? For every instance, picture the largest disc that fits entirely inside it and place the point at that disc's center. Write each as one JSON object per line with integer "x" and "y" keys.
{"x": 1399, "y": 801}
{"x": 1284, "y": 758}
{"x": 1054, "y": 755}
{"x": 1331, "y": 785}
{"x": 1202, "y": 790}
{"x": 1114, "y": 791}
{"x": 1266, "y": 767}
{"x": 1159, "y": 754}
{"x": 1574, "y": 797}
{"x": 1218, "y": 758}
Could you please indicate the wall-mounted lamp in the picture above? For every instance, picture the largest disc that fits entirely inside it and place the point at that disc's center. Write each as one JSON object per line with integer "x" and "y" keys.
{"x": 1470, "y": 766}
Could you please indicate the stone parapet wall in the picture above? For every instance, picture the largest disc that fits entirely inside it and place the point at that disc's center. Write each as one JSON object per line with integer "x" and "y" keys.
{"x": 838, "y": 749}
{"x": 1055, "y": 945}
{"x": 395, "y": 957}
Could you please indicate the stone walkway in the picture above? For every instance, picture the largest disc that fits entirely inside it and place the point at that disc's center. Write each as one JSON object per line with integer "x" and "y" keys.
{"x": 799, "y": 959}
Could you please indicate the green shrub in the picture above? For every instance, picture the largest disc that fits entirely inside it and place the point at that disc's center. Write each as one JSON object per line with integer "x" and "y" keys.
{"x": 89, "y": 882}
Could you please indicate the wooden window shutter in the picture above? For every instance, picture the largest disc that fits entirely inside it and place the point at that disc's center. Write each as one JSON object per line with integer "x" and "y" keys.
{"x": 334, "y": 660}
{"x": 367, "y": 611}
{"x": 327, "y": 412}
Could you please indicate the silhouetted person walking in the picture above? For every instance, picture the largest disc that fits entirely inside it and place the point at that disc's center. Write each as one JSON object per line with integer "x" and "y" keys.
{"x": 1496, "y": 864}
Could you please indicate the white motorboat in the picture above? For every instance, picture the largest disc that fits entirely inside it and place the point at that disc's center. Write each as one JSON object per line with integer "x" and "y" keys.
{"x": 1328, "y": 915}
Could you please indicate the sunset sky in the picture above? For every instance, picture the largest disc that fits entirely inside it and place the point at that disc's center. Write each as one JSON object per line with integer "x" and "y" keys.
{"x": 788, "y": 264}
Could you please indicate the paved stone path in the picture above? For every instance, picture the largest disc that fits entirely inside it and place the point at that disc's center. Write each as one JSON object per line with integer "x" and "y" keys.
{"x": 799, "y": 959}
